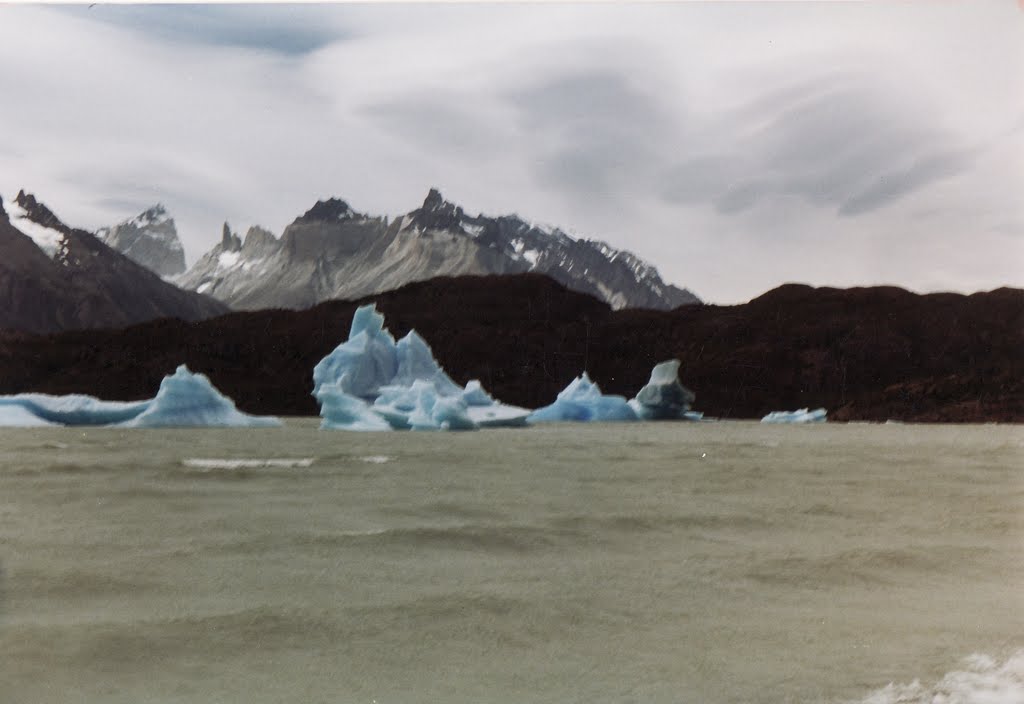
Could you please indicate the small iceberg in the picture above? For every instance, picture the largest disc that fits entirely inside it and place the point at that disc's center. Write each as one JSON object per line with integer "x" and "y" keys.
{"x": 189, "y": 400}
{"x": 582, "y": 402}
{"x": 371, "y": 382}
{"x": 799, "y": 416}
{"x": 663, "y": 397}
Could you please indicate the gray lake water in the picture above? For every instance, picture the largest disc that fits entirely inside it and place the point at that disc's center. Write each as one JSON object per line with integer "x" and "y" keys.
{"x": 717, "y": 562}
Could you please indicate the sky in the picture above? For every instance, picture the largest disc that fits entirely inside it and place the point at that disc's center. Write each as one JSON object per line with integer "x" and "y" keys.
{"x": 735, "y": 146}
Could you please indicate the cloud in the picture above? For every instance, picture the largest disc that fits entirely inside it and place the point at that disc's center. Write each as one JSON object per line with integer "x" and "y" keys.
{"x": 286, "y": 29}
{"x": 839, "y": 142}
{"x": 736, "y": 147}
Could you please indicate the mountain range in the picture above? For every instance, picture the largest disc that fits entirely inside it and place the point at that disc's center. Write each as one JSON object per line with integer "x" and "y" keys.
{"x": 334, "y": 252}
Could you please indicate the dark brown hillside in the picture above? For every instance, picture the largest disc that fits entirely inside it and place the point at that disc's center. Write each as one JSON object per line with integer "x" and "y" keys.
{"x": 872, "y": 353}
{"x": 86, "y": 285}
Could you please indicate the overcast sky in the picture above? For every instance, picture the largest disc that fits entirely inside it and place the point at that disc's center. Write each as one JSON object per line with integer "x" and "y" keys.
{"x": 735, "y": 146}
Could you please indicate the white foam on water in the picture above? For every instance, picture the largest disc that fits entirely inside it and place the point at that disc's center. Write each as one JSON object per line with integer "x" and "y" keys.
{"x": 246, "y": 463}
{"x": 982, "y": 681}
{"x": 376, "y": 459}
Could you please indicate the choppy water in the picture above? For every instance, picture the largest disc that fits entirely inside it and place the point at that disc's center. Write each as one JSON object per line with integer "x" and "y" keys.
{"x": 728, "y": 562}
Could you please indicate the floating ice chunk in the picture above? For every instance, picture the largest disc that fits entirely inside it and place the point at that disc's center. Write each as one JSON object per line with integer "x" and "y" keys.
{"x": 73, "y": 409}
{"x": 663, "y": 397}
{"x": 399, "y": 385}
{"x": 582, "y": 401}
{"x": 363, "y": 363}
{"x": 188, "y": 400}
{"x": 341, "y": 411}
{"x": 799, "y": 416}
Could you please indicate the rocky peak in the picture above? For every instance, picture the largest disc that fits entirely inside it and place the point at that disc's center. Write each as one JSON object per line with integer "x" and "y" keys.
{"x": 258, "y": 237}
{"x": 3, "y": 213}
{"x": 438, "y": 214}
{"x": 328, "y": 210}
{"x": 152, "y": 216}
{"x": 37, "y": 212}
{"x": 229, "y": 241}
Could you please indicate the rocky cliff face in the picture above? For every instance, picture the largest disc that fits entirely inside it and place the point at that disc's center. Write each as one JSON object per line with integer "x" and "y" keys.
{"x": 150, "y": 239}
{"x": 334, "y": 252}
{"x": 53, "y": 277}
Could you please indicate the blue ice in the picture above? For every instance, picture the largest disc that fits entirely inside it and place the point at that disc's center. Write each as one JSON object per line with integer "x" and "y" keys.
{"x": 799, "y": 416}
{"x": 582, "y": 401}
{"x": 398, "y": 385}
{"x": 189, "y": 400}
{"x": 184, "y": 400}
{"x": 663, "y": 397}
{"x": 72, "y": 409}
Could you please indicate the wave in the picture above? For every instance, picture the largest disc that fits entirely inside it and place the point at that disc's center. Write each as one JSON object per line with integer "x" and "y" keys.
{"x": 984, "y": 680}
{"x": 246, "y": 463}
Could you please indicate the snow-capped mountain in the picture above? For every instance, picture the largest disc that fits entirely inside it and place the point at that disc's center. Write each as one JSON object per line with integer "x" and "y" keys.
{"x": 58, "y": 278}
{"x": 150, "y": 239}
{"x": 333, "y": 252}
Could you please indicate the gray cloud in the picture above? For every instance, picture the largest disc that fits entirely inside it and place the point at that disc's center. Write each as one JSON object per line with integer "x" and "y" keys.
{"x": 285, "y": 28}
{"x": 598, "y": 130}
{"x": 444, "y": 121}
{"x": 840, "y": 145}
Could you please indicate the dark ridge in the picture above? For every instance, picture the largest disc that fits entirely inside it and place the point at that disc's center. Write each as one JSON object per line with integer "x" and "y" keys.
{"x": 328, "y": 211}
{"x": 864, "y": 354}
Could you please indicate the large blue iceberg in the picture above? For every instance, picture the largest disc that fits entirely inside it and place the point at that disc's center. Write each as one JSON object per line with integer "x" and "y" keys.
{"x": 799, "y": 416}
{"x": 371, "y": 382}
{"x": 185, "y": 400}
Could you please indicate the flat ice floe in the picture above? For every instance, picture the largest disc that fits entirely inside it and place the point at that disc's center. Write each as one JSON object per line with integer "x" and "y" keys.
{"x": 801, "y": 415}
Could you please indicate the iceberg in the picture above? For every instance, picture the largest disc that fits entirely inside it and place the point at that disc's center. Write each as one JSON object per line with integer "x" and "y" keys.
{"x": 14, "y": 416}
{"x": 189, "y": 400}
{"x": 663, "y": 397}
{"x": 582, "y": 401}
{"x": 184, "y": 400}
{"x": 799, "y": 416}
{"x": 72, "y": 409}
{"x": 371, "y": 382}
{"x": 342, "y": 411}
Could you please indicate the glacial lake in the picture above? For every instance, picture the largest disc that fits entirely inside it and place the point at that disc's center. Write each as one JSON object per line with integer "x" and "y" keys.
{"x": 705, "y": 562}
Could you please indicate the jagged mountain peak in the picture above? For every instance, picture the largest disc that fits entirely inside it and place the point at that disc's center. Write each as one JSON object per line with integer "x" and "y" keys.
{"x": 150, "y": 239}
{"x": 37, "y": 212}
{"x": 152, "y": 215}
{"x": 436, "y": 213}
{"x": 328, "y": 210}
{"x": 229, "y": 241}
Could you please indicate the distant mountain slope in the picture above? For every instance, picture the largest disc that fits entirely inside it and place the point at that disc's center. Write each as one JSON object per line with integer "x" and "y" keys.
{"x": 149, "y": 239}
{"x": 864, "y": 354}
{"x": 53, "y": 277}
{"x": 334, "y": 252}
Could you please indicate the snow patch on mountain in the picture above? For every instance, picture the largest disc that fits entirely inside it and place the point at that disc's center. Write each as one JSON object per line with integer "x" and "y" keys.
{"x": 51, "y": 241}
